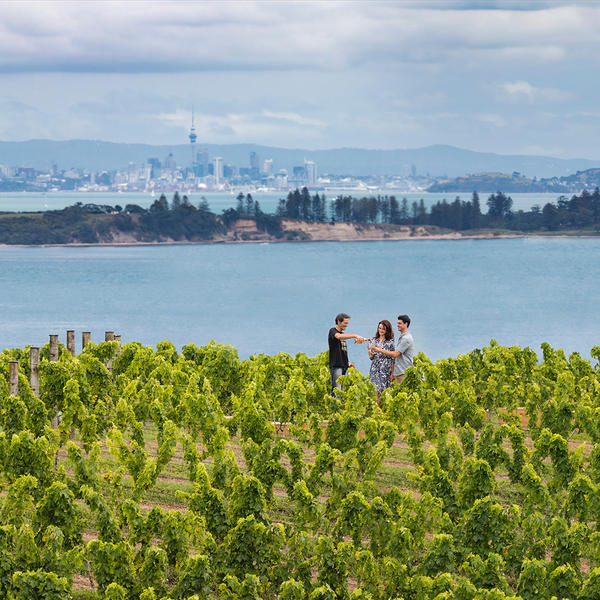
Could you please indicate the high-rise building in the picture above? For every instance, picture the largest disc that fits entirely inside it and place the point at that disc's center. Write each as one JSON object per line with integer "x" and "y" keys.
{"x": 132, "y": 173}
{"x": 229, "y": 171}
{"x": 254, "y": 160}
{"x": 268, "y": 167}
{"x": 218, "y": 170}
{"x": 311, "y": 172}
{"x": 299, "y": 172}
{"x": 202, "y": 163}
{"x": 281, "y": 179}
{"x": 170, "y": 163}
{"x": 154, "y": 167}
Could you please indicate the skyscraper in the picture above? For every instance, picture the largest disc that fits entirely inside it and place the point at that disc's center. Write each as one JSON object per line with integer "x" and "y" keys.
{"x": 218, "y": 170}
{"x": 169, "y": 163}
{"x": 311, "y": 172}
{"x": 202, "y": 163}
{"x": 254, "y": 166}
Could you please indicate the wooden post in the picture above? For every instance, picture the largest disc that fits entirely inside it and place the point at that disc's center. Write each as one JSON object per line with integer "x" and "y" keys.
{"x": 34, "y": 371}
{"x": 53, "y": 358}
{"x": 86, "y": 338}
{"x": 53, "y": 348}
{"x": 71, "y": 341}
{"x": 109, "y": 336}
{"x": 13, "y": 378}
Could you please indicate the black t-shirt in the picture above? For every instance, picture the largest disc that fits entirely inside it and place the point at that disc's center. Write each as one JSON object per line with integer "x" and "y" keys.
{"x": 338, "y": 351}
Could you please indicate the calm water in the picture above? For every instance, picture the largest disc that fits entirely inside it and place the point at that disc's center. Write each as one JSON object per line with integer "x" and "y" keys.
{"x": 283, "y": 297}
{"x": 219, "y": 201}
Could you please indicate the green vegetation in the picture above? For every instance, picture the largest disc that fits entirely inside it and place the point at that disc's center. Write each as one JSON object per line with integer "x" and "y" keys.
{"x": 579, "y": 213}
{"x": 518, "y": 183}
{"x": 183, "y": 222}
{"x": 93, "y": 223}
{"x": 192, "y": 474}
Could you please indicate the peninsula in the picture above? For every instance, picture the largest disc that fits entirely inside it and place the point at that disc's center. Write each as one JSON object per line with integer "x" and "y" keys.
{"x": 299, "y": 217}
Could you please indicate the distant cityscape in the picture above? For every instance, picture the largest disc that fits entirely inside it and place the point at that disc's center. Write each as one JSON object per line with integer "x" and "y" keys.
{"x": 205, "y": 173}
{"x": 191, "y": 168}
{"x": 202, "y": 173}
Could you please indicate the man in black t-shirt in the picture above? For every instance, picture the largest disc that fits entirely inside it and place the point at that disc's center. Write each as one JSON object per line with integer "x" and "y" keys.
{"x": 338, "y": 350}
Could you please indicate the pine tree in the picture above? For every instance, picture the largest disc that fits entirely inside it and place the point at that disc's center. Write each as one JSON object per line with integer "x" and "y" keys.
{"x": 240, "y": 204}
{"x": 475, "y": 211}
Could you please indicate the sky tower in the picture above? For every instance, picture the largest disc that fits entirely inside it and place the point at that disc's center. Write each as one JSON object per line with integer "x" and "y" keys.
{"x": 193, "y": 137}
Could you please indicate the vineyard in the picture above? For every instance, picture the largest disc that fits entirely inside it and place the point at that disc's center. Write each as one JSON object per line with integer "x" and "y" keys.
{"x": 146, "y": 474}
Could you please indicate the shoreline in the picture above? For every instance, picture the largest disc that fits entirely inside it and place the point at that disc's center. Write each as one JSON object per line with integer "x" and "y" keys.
{"x": 116, "y": 244}
{"x": 244, "y": 231}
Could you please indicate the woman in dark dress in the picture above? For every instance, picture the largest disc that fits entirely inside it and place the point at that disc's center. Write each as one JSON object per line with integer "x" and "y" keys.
{"x": 382, "y": 365}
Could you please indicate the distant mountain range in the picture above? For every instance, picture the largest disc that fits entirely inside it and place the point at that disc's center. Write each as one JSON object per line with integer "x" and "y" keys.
{"x": 437, "y": 161}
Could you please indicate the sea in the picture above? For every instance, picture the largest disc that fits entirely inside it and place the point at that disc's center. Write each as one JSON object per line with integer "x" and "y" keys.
{"x": 283, "y": 297}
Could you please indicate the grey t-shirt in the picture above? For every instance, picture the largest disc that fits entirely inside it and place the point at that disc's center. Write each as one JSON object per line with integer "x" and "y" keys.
{"x": 406, "y": 346}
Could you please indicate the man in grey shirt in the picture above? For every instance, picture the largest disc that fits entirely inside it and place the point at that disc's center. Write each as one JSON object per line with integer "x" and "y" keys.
{"x": 404, "y": 352}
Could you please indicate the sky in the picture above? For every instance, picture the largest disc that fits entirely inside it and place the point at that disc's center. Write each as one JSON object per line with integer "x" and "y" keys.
{"x": 505, "y": 77}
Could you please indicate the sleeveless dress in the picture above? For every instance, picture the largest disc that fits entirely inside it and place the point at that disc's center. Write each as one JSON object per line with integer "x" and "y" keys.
{"x": 381, "y": 365}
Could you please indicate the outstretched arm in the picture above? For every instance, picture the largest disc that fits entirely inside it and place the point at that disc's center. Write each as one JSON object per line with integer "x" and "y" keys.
{"x": 390, "y": 353}
{"x": 349, "y": 336}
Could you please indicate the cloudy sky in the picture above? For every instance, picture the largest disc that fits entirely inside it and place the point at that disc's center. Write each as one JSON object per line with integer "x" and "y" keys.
{"x": 507, "y": 77}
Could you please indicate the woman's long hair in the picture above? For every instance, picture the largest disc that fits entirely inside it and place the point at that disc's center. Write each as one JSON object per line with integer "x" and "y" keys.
{"x": 389, "y": 332}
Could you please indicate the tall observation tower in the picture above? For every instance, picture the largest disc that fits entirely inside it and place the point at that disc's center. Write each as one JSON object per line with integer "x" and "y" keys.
{"x": 193, "y": 137}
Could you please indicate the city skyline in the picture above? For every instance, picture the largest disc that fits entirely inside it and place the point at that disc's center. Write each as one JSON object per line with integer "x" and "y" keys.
{"x": 505, "y": 77}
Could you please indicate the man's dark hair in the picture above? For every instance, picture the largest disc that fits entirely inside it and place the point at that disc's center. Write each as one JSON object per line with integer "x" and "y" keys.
{"x": 339, "y": 318}
{"x": 405, "y": 319}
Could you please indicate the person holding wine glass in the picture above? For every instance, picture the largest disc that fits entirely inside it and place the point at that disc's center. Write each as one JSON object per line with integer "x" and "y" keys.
{"x": 381, "y": 365}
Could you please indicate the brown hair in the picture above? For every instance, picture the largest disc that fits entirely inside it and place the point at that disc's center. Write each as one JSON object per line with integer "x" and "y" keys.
{"x": 389, "y": 332}
{"x": 339, "y": 318}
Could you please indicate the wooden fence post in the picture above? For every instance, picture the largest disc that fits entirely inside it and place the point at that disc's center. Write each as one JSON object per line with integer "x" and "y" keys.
{"x": 71, "y": 341}
{"x": 34, "y": 370}
{"x": 109, "y": 336}
{"x": 53, "y": 348}
{"x": 13, "y": 378}
{"x": 86, "y": 338}
{"x": 54, "y": 358}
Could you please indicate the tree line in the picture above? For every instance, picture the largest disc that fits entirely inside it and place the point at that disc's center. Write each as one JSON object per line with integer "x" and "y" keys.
{"x": 581, "y": 211}
{"x": 181, "y": 220}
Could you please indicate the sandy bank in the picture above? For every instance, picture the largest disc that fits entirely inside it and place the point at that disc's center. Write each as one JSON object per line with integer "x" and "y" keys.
{"x": 245, "y": 231}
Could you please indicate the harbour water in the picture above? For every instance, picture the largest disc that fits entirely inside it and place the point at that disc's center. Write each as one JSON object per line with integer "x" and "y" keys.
{"x": 269, "y": 298}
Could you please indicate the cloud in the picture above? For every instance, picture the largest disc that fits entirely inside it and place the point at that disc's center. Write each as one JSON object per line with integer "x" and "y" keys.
{"x": 245, "y": 126}
{"x": 523, "y": 91}
{"x": 183, "y": 36}
{"x": 317, "y": 74}
{"x": 18, "y": 107}
{"x": 538, "y": 150}
{"x": 492, "y": 119}
{"x": 292, "y": 118}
